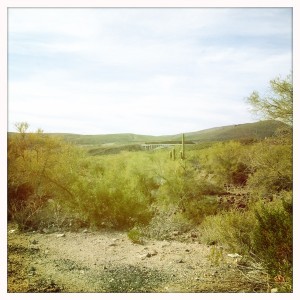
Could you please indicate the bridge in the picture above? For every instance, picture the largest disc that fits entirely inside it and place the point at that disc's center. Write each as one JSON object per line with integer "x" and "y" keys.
{"x": 157, "y": 146}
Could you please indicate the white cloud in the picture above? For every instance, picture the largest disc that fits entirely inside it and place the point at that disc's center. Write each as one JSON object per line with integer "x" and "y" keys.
{"x": 149, "y": 71}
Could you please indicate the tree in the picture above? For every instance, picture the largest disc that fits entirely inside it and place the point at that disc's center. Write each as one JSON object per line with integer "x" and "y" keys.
{"x": 278, "y": 103}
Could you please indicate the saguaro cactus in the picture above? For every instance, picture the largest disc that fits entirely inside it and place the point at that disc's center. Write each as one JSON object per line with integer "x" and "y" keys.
{"x": 182, "y": 153}
{"x": 172, "y": 154}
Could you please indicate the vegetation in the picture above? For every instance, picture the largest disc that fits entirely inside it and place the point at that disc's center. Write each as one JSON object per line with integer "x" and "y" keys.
{"x": 115, "y": 142}
{"x": 236, "y": 194}
{"x": 278, "y": 103}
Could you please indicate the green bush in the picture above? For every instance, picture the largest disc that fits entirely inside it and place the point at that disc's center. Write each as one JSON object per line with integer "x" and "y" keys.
{"x": 233, "y": 229}
{"x": 118, "y": 196}
{"x": 167, "y": 221}
{"x": 226, "y": 161}
{"x": 271, "y": 169}
{"x": 188, "y": 189}
{"x": 273, "y": 235}
{"x": 265, "y": 230}
{"x": 135, "y": 236}
{"x": 40, "y": 168}
{"x": 197, "y": 209}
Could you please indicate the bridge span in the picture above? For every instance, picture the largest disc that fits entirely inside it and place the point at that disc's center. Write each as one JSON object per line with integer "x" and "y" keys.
{"x": 157, "y": 146}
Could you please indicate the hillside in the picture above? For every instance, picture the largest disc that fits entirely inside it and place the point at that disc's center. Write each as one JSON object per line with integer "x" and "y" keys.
{"x": 257, "y": 130}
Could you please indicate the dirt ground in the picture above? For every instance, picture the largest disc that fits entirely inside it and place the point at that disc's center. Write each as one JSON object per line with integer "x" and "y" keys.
{"x": 104, "y": 261}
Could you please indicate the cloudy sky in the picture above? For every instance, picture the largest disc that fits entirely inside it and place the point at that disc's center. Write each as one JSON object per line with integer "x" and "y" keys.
{"x": 143, "y": 70}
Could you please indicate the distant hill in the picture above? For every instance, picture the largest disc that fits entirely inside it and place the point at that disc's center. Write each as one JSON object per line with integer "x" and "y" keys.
{"x": 247, "y": 131}
{"x": 257, "y": 130}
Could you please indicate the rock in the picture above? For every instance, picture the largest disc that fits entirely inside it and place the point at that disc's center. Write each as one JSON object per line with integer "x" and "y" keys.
{"x": 194, "y": 235}
{"x": 12, "y": 231}
{"x": 274, "y": 290}
{"x": 153, "y": 253}
{"x": 180, "y": 261}
{"x": 45, "y": 230}
{"x": 149, "y": 254}
{"x": 60, "y": 235}
{"x": 175, "y": 233}
{"x": 234, "y": 255}
{"x": 165, "y": 244}
{"x": 143, "y": 256}
{"x": 112, "y": 244}
{"x": 84, "y": 230}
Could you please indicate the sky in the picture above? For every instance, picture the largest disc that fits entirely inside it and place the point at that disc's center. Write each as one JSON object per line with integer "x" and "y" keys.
{"x": 142, "y": 70}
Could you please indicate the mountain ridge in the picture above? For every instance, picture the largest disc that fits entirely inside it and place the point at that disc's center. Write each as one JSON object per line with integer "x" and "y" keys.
{"x": 256, "y": 130}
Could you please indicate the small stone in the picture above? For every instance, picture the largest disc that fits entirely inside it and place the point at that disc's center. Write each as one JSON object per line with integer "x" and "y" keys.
{"x": 60, "y": 235}
{"x": 81, "y": 271}
{"x": 234, "y": 255}
{"x": 85, "y": 231}
{"x": 153, "y": 253}
{"x": 180, "y": 261}
{"x": 143, "y": 256}
{"x": 274, "y": 290}
{"x": 165, "y": 244}
{"x": 175, "y": 233}
{"x": 194, "y": 235}
{"x": 112, "y": 244}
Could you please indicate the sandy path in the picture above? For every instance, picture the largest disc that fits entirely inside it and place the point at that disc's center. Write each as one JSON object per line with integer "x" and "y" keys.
{"x": 110, "y": 262}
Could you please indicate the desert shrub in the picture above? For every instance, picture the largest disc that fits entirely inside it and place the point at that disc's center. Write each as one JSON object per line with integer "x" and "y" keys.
{"x": 135, "y": 236}
{"x": 273, "y": 235}
{"x": 113, "y": 192}
{"x": 167, "y": 221}
{"x": 197, "y": 209}
{"x": 216, "y": 256}
{"x": 265, "y": 231}
{"x": 231, "y": 229}
{"x": 40, "y": 167}
{"x": 188, "y": 189}
{"x": 271, "y": 169}
{"x": 226, "y": 161}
